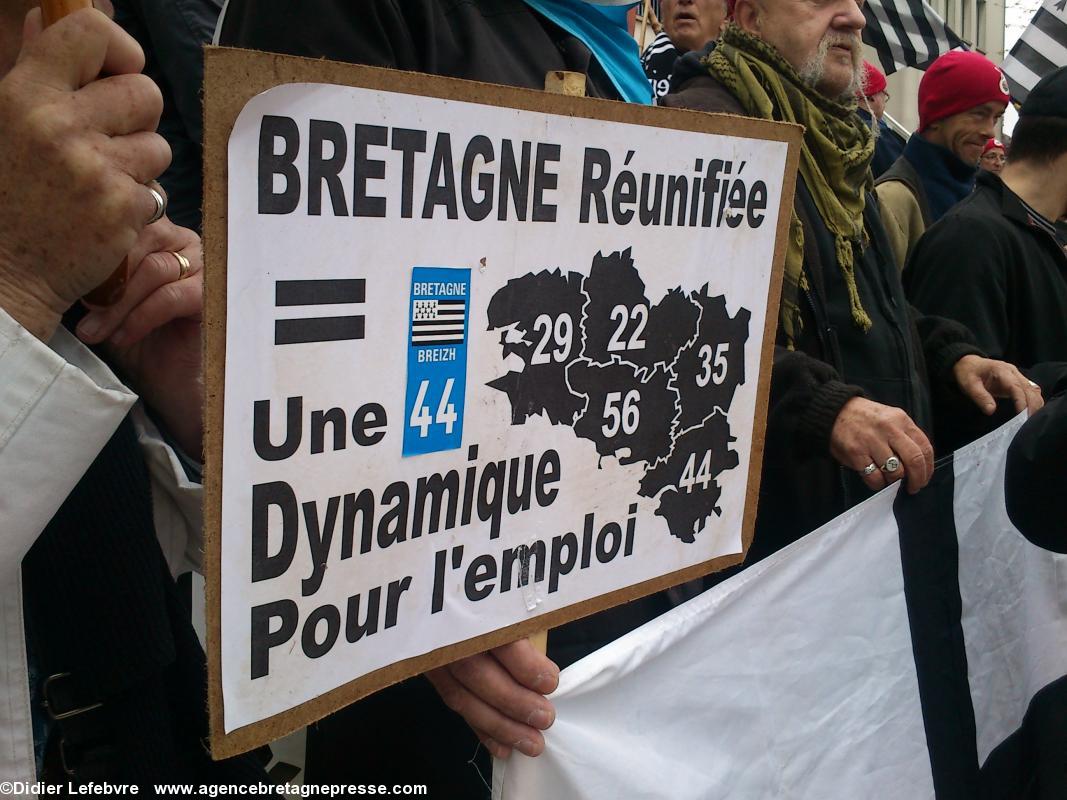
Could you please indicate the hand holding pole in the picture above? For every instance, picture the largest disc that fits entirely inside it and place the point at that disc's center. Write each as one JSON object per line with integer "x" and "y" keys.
{"x": 111, "y": 290}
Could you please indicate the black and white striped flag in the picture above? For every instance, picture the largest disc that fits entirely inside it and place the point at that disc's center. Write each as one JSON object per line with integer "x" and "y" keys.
{"x": 438, "y": 322}
{"x": 906, "y": 33}
{"x": 1041, "y": 49}
{"x": 915, "y": 647}
{"x": 658, "y": 61}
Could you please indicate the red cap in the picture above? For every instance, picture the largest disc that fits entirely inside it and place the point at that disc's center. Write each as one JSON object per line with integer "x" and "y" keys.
{"x": 873, "y": 80}
{"x": 730, "y": 8}
{"x": 993, "y": 144}
{"x": 959, "y": 80}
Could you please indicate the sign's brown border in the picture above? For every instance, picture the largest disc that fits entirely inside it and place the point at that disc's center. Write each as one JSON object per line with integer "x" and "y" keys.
{"x": 232, "y": 78}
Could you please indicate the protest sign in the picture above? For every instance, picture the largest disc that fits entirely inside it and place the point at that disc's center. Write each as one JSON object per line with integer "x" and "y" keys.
{"x": 481, "y": 361}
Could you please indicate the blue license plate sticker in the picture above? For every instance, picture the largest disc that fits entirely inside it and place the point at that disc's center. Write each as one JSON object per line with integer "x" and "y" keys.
{"x": 438, "y": 319}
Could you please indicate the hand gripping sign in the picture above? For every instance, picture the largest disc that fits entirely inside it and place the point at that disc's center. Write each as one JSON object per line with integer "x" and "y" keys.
{"x": 480, "y": 361}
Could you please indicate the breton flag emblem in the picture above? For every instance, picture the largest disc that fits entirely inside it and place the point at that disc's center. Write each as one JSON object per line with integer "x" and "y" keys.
{"x": 438, "y": 322}
{"x": 907, "y": 33}
{"x": 1041, "y": 50}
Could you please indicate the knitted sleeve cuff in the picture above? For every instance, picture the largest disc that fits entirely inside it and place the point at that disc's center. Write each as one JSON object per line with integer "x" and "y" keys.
{"x": 813, "y": 432}
{"x": 939, "y": 365}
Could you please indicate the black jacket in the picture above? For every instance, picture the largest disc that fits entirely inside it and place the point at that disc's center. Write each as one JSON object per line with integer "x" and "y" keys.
{"x": 987, "y": 264}
{"x": 833, "y": 361}
{"x": 497, "y": 41}
{"x": 104, "y": 616}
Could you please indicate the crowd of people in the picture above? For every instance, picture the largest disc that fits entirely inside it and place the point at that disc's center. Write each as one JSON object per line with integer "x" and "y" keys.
{"x": 918, "y": 311}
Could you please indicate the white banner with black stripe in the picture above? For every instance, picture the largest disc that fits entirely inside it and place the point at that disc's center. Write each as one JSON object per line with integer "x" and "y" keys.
{"x": 915, "y": 647}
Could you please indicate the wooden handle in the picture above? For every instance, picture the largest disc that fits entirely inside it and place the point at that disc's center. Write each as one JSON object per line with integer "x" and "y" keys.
{"x": 572, "y": 84}
{"x": 568, "y": 83}
{"x": 111, "y": 290}
{"x": 55, "y": 10}
{"x": 540, "y": 641}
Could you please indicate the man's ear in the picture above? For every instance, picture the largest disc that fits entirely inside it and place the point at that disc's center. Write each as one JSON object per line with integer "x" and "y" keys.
{"x": 747, "y": 16}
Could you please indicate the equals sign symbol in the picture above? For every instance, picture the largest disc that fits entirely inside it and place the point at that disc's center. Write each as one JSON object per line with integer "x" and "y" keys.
{"x": 319, "y": 293}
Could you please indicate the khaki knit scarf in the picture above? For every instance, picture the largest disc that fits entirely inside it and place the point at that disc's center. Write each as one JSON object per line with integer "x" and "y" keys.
{"x": 835, "y": 158}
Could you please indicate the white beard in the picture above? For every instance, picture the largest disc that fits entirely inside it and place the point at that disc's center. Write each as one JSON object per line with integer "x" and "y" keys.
{"x": 813, "y": 71}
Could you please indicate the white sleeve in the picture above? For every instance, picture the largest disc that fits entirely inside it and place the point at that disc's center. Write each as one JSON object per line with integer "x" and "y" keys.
{"x": 176, "y": 500}
{"x": 59, "y": 405}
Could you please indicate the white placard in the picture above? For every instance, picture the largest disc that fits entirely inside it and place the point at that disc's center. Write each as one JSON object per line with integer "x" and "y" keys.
{"x": 559, "y": 320}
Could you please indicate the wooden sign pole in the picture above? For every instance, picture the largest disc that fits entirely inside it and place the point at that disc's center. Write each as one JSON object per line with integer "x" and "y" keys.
{"x": 572, "y": 84}
{"x": 54, "y": 10}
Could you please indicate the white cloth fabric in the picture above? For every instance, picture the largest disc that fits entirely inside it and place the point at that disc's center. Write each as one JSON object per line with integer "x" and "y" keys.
{"x": 59, "y": 405}
{"x": 1014, "y": 597}
{"x": 737, "y": 695}
{"x": 796, "y": 678}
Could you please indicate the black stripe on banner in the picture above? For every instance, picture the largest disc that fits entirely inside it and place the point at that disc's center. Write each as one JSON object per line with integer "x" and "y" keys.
{"x": 933, "y": 43}
{"x": 324, "y": 292}
{"x": 317, "y": 329}
{"x": 1031, "y": 59}
{"x": 449, "y": 340}
{"x": 874, "y": 36}
{"x": 1017, "y": 91}
{"x": 1051, "y": 25}
{"x": 897, "y": 31}
{"x": 929, "y": 553}
{"x": 910, "y": 57}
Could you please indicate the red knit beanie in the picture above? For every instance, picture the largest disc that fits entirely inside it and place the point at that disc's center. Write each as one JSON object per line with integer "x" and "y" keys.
{"x": 873, "y": 80}
{"x": 959, "y": 80}
{"x": 992, "y": 144}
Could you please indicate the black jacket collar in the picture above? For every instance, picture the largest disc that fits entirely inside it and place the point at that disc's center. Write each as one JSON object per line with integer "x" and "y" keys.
{"x": 1011, "y": 206}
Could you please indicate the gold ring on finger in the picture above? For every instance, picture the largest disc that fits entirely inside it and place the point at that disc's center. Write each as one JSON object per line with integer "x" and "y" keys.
{"x": 183, "y": 265}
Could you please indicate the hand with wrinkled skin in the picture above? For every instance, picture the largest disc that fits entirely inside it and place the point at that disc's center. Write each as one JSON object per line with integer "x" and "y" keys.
{"x": 501, "y": 695}
{"x": 984, "y": 379}
{"x": 866, "y": 432}
{"x": 153, "y": 333}
{"x": 74, "y": 155}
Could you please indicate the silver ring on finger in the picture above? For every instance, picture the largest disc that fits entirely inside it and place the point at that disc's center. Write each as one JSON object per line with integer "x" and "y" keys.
{"x": 891, "y": 465}
{"x": 870, "y": 469}
{"x": 183, "y": 265}
{"x": 161, "y": 203}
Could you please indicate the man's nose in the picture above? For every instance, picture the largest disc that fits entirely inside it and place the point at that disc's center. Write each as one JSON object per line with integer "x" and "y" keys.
{"x": 850, "y": 17}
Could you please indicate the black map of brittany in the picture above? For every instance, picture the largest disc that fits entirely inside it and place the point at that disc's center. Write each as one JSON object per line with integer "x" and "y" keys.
{"x": 647, "y": 383}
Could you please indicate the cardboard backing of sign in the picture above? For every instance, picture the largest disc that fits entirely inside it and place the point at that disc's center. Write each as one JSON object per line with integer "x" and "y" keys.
{"x": 232, "y": 78}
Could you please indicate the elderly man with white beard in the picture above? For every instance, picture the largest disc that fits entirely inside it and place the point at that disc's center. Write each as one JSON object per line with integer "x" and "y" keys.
{"x": 858, "y": 375}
